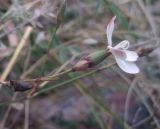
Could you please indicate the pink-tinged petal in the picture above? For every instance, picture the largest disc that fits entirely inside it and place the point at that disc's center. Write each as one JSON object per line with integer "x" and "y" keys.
{"x": 109, "y": 30}
{"x": 123, "y": 45}
{"x": 118, "y": 53}
{"x": 128, "y": 67}
{"x": 131, "y": 55}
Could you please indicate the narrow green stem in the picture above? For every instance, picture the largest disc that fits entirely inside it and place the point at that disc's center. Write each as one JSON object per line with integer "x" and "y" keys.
{"x": 73, "y": 79}
{"x": 101, "y": 105}
{"x": 49, "y": 78}
{"x": 59, "y": 74}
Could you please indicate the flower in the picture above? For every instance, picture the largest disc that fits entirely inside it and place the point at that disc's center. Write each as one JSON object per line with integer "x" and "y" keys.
{"x": 124, "y": 58}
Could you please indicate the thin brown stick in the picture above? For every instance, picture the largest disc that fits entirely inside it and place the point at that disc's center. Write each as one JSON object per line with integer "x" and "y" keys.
{"x": 16, "y": 54}
{"x": 26, "y": 119}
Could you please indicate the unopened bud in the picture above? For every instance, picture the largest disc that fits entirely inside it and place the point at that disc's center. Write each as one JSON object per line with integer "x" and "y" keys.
{"x": 145, "y": 50}
{"x": 20, "y": 85}
{"x": 91, "y": 60}
{"x": 81, "y": 65}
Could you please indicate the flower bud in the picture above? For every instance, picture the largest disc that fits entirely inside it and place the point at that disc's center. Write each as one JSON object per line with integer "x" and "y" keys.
{"x": 143, "y": 51}
{"x": 20, "y": 85}
{"x": 91, "y": 60}
{"x": 81, "y": 65}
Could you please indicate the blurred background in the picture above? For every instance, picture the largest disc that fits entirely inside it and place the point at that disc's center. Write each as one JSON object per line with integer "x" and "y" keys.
{"x": 51, "y": 36}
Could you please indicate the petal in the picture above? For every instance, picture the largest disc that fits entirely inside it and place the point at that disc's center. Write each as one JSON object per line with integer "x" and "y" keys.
{"x": 118, "y": 52}
{"x": 123, "y": 45}
{"x": 131, "y": 55}
{"x": 109, "y": 30}
{"x": 128, "y": 67}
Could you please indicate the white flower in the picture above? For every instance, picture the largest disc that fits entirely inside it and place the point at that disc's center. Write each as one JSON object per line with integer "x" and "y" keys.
{"x": 124, "y": 58}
